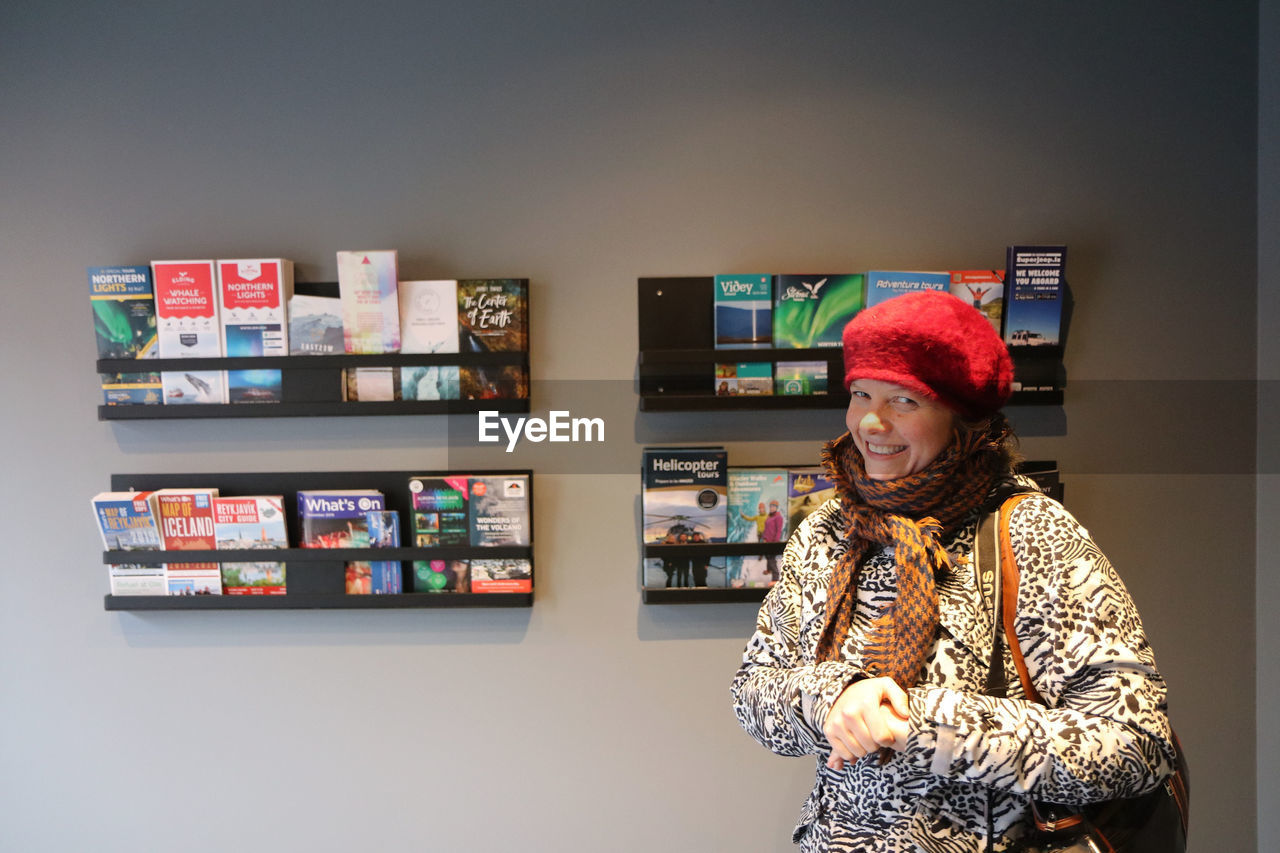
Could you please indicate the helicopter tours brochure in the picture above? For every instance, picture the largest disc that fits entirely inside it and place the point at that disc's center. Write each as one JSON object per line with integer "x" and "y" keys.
{"x": 686, "y": 492}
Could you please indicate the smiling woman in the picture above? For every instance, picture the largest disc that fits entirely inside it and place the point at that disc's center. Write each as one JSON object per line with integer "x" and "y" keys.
{"x": 872, "y": 650}
{"x": 898, "y": 431}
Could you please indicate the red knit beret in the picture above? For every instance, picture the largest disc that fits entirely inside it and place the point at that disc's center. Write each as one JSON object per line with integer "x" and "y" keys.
{"x": 935, "y": 344}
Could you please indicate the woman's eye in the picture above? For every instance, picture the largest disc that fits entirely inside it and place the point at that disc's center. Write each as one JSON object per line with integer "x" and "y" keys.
{"x": 903, "y": 404}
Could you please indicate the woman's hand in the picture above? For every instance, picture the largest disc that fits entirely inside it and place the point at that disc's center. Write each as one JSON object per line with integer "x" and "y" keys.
{"x": 869, "y": 715}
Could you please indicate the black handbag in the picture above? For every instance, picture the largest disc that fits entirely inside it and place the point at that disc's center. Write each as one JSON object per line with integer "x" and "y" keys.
{"x": 1154, "y": 822}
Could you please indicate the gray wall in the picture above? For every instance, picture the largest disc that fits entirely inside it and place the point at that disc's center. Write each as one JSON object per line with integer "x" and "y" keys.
{"x": 583, "y": 145}
{"x": 1268, "y": 586}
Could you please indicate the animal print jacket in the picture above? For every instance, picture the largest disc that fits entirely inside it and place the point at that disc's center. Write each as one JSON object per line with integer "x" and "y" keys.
{"x": 971, "y": 759}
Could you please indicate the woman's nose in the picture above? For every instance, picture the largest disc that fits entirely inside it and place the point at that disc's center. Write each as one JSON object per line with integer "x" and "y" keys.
{"x": 871, "y": 422}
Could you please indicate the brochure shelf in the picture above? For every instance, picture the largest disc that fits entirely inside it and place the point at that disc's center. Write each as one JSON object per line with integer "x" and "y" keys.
{"x": 1044, "y": 472}
{"x": 305, "y": 601}
{"x": 312, "y": 386}
{"x": 708, "y": 595}
{"x": 676, "y": 366}
{"x": 315, "y": 576}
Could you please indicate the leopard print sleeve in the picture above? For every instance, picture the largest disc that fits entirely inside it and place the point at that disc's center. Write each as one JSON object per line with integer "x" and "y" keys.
{"x": 781, "y": 695}
{"x": 1104, "y": 732}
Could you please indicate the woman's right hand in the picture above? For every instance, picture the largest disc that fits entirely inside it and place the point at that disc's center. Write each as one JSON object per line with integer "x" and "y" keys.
{"x": 869, "y": 715}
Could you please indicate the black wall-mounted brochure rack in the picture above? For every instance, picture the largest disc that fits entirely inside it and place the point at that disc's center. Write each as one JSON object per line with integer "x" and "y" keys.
{"x": 315, "y": 576}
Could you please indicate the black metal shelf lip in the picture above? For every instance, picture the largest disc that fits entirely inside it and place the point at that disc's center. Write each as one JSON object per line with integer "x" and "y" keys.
{"x": 653, "y": 357}
{"x": 318, "y": 555}
{"x": 320, "y": 601}
{"x": 762, "y": 402}
{"x": 1037, "y": 398}
{"x": 740, "y": 402}
{"x": 259, "y": 480}
{"x": 327, "y": 408}
{"x": 714, "y": 549}
{"x": 314, "y": 362}
{"x": 703, "y": 595}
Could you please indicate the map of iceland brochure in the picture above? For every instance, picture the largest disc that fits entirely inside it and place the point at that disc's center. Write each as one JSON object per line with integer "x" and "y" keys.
{"x": 185, "y": 520}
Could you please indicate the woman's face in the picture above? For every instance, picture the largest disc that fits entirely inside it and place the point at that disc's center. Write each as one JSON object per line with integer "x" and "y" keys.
{"x": 897, "y": 431}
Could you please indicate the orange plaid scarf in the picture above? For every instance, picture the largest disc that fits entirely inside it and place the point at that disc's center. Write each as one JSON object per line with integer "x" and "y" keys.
{"x": 910, "y": 514}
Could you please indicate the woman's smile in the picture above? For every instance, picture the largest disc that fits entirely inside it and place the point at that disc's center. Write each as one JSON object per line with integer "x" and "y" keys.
{"x": 898, "y": 431}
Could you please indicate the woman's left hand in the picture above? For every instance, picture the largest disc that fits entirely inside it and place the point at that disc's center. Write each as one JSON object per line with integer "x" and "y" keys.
{"x": 869, "y": 715}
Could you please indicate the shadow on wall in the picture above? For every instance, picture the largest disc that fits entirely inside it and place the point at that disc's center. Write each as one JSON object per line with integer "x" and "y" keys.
{"x": 323, "y": 629}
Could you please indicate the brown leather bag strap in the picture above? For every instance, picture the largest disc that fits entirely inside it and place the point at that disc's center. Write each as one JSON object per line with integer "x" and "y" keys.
{"x": 1009, "y": 590}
